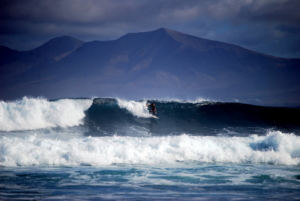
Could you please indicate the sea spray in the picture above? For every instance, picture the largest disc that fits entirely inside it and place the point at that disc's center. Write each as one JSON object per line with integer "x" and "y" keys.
{"x": 138, "y": 109}
{"x": 37, "y": 113}
{"x": 280, "y": 148}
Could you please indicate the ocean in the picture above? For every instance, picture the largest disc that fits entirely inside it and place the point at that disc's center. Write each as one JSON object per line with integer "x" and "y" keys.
{"x": 113, "y": 149}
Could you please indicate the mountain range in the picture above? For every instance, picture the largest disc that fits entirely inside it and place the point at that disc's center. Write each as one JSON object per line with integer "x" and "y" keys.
{"x": 156, "y": 64}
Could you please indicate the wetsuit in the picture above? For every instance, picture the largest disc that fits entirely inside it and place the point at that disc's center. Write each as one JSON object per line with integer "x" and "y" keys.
{"x": 153, "y": 109}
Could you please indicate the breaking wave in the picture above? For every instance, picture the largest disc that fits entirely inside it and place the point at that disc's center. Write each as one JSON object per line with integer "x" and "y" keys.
{"x": 37, "y": 113}
{"x": 109, "y": 116}
{"x": 274, "y": 148}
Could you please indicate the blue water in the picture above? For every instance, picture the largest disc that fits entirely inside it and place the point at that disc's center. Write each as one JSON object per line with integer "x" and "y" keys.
{"x": 181, "y": 181}
{"x": 111, "y": 149}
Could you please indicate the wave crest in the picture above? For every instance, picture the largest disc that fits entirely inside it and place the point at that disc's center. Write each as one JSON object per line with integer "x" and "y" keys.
{"x": 37, "y": 113}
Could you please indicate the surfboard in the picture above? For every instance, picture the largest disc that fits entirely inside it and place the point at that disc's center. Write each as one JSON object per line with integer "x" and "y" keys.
{"x": 154, "y": 117}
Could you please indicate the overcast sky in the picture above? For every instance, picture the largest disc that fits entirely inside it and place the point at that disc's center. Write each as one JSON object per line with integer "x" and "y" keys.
{"x": 267, "y": 26}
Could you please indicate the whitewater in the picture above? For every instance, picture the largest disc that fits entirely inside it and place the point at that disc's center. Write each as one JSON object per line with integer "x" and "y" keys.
{"x": 113, "y": 149}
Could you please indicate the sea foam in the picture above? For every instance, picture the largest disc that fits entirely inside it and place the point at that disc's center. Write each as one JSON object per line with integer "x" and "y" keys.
{"x": 138, "y": 109}
{"x": 37, "y": 113}
{"x": 274, "y": 148}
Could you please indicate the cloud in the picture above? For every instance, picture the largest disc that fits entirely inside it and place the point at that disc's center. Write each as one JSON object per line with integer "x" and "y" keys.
{"x": 131, "y": 11}
{"x": 248, "y": 23}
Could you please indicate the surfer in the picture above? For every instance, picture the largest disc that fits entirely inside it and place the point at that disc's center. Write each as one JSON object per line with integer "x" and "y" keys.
{"x": 153, "y": 109}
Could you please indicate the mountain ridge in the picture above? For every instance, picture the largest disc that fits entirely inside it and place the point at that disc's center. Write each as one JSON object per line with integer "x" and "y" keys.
{"x": 139, "y": 65}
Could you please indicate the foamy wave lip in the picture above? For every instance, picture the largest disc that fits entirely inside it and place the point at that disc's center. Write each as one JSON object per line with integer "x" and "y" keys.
{"x": 138, "y": 109}
{"x": 37, "y": 113}
{"x": 197, "y": 100}
{"x": 274, "y": 148}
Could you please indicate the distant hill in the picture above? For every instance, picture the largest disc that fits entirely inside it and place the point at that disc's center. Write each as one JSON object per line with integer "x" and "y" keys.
{"x": 157, "y": 64}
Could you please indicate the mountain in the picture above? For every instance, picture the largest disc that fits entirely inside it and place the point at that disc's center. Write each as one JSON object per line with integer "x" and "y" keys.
{"x": 13, "y": 63}
{"x": 157, "y": 64}
{"x": 7, "y": 55}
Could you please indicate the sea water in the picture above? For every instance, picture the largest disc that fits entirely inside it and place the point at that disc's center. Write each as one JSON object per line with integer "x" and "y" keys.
{"x": 111, "y": 149}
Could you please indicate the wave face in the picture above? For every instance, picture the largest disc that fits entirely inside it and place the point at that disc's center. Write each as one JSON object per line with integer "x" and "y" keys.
{"x": 120, "y": 117}
{"x": 109, "y": 116}
{"x": 38, "y": 113}
{"x": 274, "y": 148}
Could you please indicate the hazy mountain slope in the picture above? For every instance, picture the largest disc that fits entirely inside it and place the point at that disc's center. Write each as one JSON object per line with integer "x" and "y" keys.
{"x": 20, "y": 66}
{"x": 54, "y": 49}
{"x": 7, "y": 55}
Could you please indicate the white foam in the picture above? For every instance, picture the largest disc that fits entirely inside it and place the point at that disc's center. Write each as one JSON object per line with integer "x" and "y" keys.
{"x": 197, "y": 100}
{"x": 36, "y": 113}
{"x": 138, "y": 109}
{"x": 274, "y": 148}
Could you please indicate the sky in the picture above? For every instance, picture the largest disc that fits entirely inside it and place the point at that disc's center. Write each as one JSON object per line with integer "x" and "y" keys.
{"x": 267, "y": 26}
